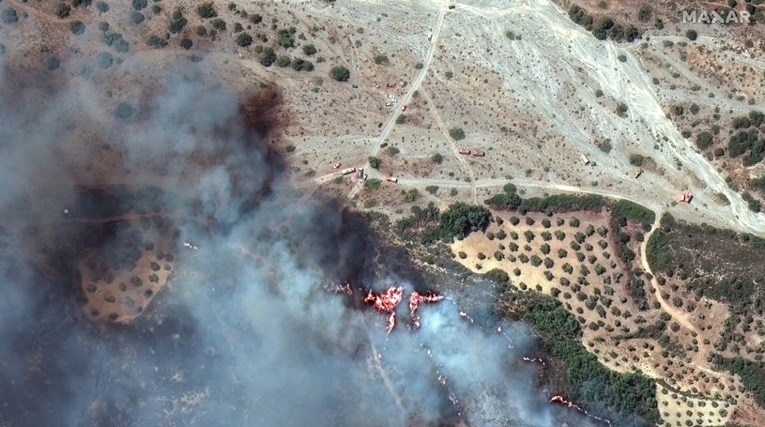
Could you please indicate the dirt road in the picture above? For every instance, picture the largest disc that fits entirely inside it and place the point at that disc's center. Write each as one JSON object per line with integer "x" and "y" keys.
{"x": 407, "y": 97}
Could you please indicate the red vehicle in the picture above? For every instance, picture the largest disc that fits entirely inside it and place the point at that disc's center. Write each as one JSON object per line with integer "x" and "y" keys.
{"x": 337, "y": 165}
{"x": 685, "y": 198}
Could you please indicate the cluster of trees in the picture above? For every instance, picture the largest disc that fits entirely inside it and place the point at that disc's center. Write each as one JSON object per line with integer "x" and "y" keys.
{"x": 593, "y": 386}
{"x": 604, "y": 28}
{"x": 752, "y": 375}
{"x": 430, "y": 224}
{"x": 509, "y": 200}
{"x": 635, "y": 212}
{"x": 746, "y": 140}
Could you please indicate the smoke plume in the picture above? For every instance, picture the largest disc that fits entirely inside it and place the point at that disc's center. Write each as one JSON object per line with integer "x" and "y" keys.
{"x": 244, "y": 332}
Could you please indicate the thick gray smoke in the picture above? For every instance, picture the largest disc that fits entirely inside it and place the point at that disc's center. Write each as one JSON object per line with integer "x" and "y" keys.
{"x": 245, "y": 334}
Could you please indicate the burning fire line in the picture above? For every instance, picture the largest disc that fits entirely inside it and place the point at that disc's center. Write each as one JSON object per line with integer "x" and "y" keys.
{"x": 415, "y": 299}
{"x": 562, "y": 401}
{"x": 386, "y": 302}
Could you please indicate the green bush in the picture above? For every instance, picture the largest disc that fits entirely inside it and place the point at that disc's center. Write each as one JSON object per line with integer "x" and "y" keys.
{"x": 286, "y": 40}
{"x": 219, "y": 24}
{"x": 644, "y": 14}
{"x": 704, "y": 140}
{"x": 201, "y": 31}
{"x": 372, "y": 183}
{"x": 691, "y": 34}
{"x": 309, "y": 49}
{"x": 137, "y": 17}
{"x": 283, "y": 61}
{"x": 381, "y": 60}
{"x": 267, "y": 57}
{"x": 374, "y": 162}
{"x": 139, "y": 4}
{"x": 62, "y": 10}
{"x": 116, "y": 41}
{"x": 340, "y": 73}
{"x": 301, "y": 65}
{"x": 437, "y": 158}
{"x": 102, "y": 7}
{"x": 104, "y": 60}
{"x": 636, "y": 159}
{"x": 178, "y": 22}
{"x": 77, "y": 27}
{"x": 457, "y": 133}
{"x": 256, "y": 18}
{"x": 243, "y": 39}
{"x": 156, "y": 41}
{"x": 206, "y": 10}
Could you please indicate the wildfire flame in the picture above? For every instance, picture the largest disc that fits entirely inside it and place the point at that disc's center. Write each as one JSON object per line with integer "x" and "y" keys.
{"x": 562, "y": 401}
{"x": 415, "y": 299}
{"x": 386, "y": 302}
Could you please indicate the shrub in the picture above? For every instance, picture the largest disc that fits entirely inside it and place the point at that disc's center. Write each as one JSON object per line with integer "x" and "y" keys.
{"x": 340, "y": 73}
{"x": 457, "y": 134}
{"x": 62, "y": 10}
{"x": 381, "y": 60}
{"x": 644, "y": 14}
{"x": 206, "y": 10}
{"x": 81, "y": 3}
{"x": 201, "y": 31}
{"x": 691, "y": 34}
{"x": 238, "y": 28}
{"x": 243, "y": 40}
{"x": 123, "y": 111}
{"x": 256, "y": 19}
{"x": 219, "y": 24}
{"x": 53, "y": 64}
{"x": 137, "y": 17}
{"x": 104, "y": 60}
{"x": 285, "y": 39}
{"x": 186, "y": 43}
{"x": 374, "y": 162}
{"x": 77, "y": 27}
{"x": 178, "y": 22}
{"x": 621, "y": 109}
{"x": 9, "y": 15}
{"x": 283, "y": 61}
{"x": 703, "y": 140}
{"x": 372, "y": 183}
{"x": 103, "y": 26}
{"x": 309, "y": 49}
{"x": 301, "y": 65}
{"x": 636, "y": 159}
{"x": 116, "y": 41}
{"x": 156, "y": 41}
{"x": 102, "y": 7}
{"x": 139, "y": 4}
{"x": 267, "y": 57}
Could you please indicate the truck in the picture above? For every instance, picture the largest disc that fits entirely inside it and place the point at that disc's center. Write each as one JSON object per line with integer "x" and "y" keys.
{"x": 392, "y": 179}
{"x": 585, "y": 160}
{"x": 347, "y": 171}
{"x": 638, "y": 173}
{"x": 477, "y": 153}
{"x": 464, "y": 151}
